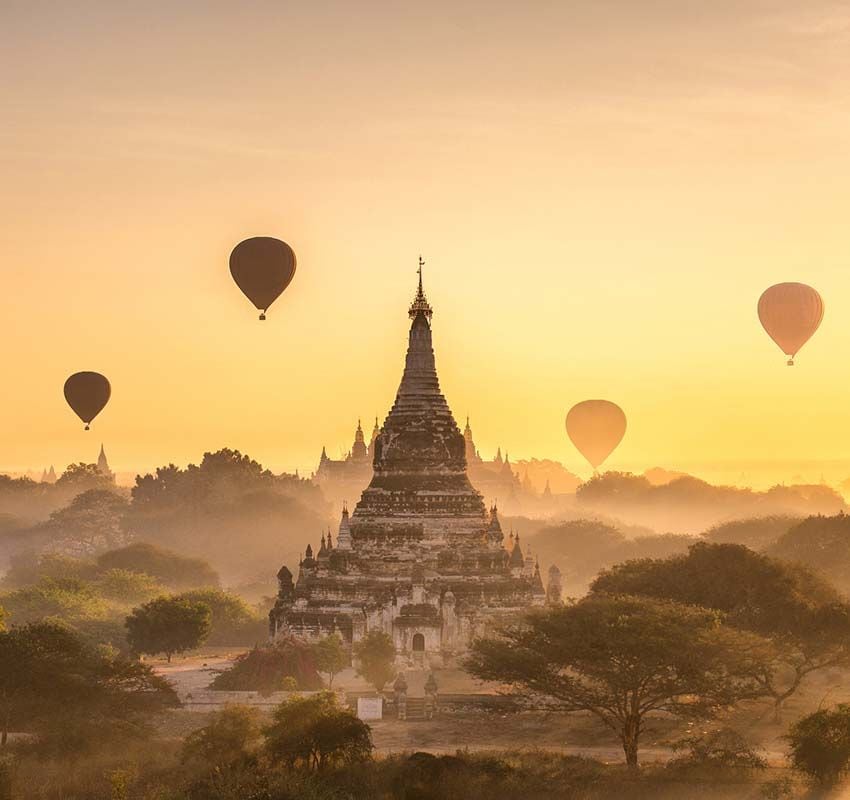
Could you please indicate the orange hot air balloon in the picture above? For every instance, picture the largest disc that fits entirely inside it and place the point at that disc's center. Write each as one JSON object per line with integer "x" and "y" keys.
{"x": 596, "y": 427}
{"x": 87, "y": 393}
{"x": 262, "y": 268}
{"x": 790, "y": 313}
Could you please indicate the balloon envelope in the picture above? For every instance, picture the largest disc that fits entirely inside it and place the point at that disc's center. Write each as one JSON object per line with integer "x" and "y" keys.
{"x": 790, "y": 313}
{"x": 87, "y": 393}
{"x": 262, "y": 268}
{"x": 596, "y": 427}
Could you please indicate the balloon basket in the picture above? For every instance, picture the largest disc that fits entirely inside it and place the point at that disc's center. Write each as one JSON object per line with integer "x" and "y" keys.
{"x": 790, "y": 362}
{"x": 262, "y": 316}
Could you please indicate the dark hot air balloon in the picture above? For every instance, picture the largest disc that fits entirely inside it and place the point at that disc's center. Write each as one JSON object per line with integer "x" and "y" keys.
{"x": 262, "y": 268}
{"x": 87, "y": 393}
{"x": 596, "y": 427}
{"x": 790, "y": 313}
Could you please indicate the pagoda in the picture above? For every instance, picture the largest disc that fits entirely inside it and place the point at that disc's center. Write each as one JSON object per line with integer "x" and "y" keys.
{"x": 420, "y": 557}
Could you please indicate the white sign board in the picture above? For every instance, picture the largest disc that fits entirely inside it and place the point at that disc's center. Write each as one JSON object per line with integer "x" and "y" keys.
{"x": 370, "y": 708}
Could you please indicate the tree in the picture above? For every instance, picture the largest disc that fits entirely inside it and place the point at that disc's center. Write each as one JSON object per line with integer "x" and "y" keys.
{"x": 231, "y": 736}
{"x": 821, "y": 543}
{"x": 757, "y": 533}
{"x": 167, "y": 625}
{"x": 266, "y": 669}
{"x": 820, "y": 744}
{"x": 805, "y": 618}
{"x": 316, "y": 732}
{"x": 207, "y": 507}
{"x": 47, "y": 668}
{"x": 234, "y": 622}
{"x": 375, "y": 654}
{"x": 167, "y": 567}
{"x": 331, "y": 656}
{"x": 93, "y": 520}
{"x": 621, "y": 659}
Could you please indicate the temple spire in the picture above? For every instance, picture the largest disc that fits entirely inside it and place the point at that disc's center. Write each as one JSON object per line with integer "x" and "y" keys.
{"x": 420, "y": 303}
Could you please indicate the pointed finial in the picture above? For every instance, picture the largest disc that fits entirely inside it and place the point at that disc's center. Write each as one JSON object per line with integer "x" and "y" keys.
{"x": 420, "y": 303}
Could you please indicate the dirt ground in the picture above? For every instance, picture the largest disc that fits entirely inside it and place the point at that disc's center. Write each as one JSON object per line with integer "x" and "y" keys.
{"x": 475, "y": 729}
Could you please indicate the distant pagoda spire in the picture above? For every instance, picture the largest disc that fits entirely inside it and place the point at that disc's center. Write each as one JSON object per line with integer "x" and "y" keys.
{"x": 103, "y": 463}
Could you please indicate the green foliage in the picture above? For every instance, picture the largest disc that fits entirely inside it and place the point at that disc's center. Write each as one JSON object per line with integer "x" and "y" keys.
{"x": 621, "y": 658}
{"x": 127, "y": 588}
{"x": 46, "y": 667}
{"x": 821, "y": 543}
{"x": 805, "y": 618}
{"x": 315, "y": 732}
{"x": 68, "y": 599}
{"x": 168, "y": 625}
{"x": 267, "y": 669}
{"x": 375, "y": 654}
{"x": 169, "y": 568}
{"x": 233, "y": 622}
{"x": 820, "y": 744}
{"x": 28, "y": 568}
{"x": 331, "y": 656}
{"x": 231, "y": 736}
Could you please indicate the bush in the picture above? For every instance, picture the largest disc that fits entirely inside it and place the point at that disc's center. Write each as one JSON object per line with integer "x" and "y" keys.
{"x": 314, "y": 733}
{"x": 820, "y": 744}
{"x": 721, "y": 749}
{"x": 234, "y": 622}
{"x": 267, "y": 669}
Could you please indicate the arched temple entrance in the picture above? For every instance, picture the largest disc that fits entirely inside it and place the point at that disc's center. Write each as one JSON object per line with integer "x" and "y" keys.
{"x": 418, "y": 643}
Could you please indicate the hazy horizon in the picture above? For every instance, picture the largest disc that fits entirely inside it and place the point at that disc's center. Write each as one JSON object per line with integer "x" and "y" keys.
{"x": 601, "y": 193}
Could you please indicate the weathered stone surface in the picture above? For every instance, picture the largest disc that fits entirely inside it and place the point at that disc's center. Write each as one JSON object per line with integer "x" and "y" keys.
{"x": 420, "y": 557}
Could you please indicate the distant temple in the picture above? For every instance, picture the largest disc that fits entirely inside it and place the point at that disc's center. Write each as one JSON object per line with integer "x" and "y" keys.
{"x": 420, "y": 557}
{"x": 346, "y": 478}
{"x": 103, "y": 465}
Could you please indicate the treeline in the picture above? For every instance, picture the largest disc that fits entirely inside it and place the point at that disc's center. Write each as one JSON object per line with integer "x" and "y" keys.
{"x": 93, "y": 597}
{"x": 690, "y": 505}
{"x": 228, "y": 509}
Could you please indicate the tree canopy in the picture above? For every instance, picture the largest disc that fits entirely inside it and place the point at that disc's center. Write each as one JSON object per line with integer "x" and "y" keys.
{"x": 169, "y": 568}
{"x": 331, "y": 656}
{"x": 70, "y": 693}
{"x": 168, "y": 625}
{"x": 621, "y": 659}
{"x": 375, "y": 658}
{"x": 207, "y": 508}
{"x": 269, "y": 668}
{"x": 316, "y": 732}
{"x": 822, "y": 543}
{"x": 805, "y": 618}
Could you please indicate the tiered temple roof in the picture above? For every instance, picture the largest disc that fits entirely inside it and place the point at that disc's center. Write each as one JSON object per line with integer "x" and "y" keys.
{"x": 420, "y": 557}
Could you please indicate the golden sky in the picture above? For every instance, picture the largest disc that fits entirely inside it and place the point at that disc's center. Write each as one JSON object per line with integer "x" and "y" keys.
{"x": 601, "y": 190}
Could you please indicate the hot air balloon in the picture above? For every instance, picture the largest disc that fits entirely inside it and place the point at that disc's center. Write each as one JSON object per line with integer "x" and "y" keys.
{"x": 790, "y": 313}
{"x": 262, "y": 268}
{"x": 87, "y": 393}
{"x": 596, "y": 427}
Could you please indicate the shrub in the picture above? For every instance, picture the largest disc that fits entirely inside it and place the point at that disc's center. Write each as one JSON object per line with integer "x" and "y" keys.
{"x": 267, "y": 669}
{"x": 820, "y": 744}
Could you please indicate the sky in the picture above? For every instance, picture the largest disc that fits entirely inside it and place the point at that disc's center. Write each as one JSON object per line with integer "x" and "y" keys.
{"x": 601, "y": 191}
